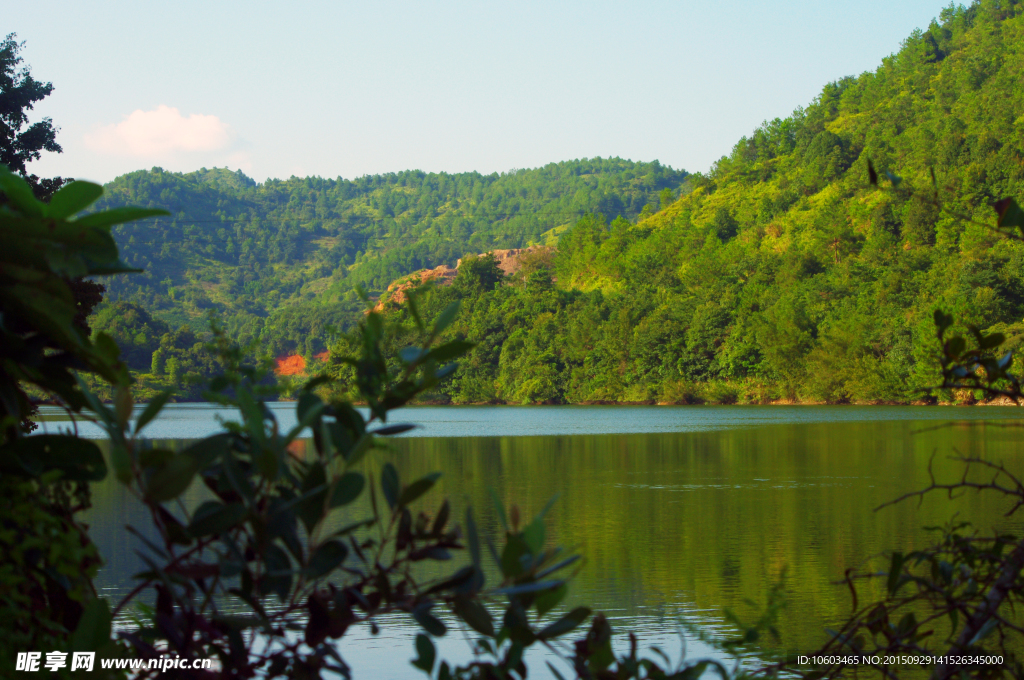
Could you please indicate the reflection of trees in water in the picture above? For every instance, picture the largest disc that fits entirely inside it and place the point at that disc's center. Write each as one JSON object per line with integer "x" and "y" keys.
{"x": 684, "y": 521}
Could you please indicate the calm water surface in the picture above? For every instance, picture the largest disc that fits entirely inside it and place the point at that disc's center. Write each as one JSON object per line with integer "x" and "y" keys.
{"x": 678, "y": 510}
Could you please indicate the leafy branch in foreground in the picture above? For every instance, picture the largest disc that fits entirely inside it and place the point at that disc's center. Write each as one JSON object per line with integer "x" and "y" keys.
{"x": 297, "y": 544}
{"x": 951, "y": 606}
{"x": 48, "y": 561}
{"x": 288, "y": 545}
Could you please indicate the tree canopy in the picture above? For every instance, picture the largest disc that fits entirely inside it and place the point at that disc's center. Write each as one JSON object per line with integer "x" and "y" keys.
{"x": 280, "y": 262}
{"x": 782, "y": 274}
{"x": 19, "y": 92}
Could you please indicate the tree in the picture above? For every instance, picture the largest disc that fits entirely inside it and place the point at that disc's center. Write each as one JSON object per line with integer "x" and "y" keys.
{"x": 478, "y": 274}
{"x": 19, "y": 91}
{"x": 46, "y": 558}
{"x": 966, "y": 587}
{"x": 263, "y": 540}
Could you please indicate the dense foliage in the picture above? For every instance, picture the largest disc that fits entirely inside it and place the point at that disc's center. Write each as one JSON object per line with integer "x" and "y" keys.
{"x": 268, "y": 538}
{"x": 21, "y": 142}
{"x": 279, "y": 262}
{"x": 782, "y": 274}
{"x": 48, "y": 560}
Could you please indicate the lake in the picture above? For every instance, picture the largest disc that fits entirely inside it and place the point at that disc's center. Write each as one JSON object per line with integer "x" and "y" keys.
{"x": 679, "y": 511}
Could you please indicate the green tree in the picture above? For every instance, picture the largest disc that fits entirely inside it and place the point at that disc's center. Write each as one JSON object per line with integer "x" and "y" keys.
{"x": 19, "y": 92}
{"x": 134, "y": 330}
{"x": 46, "y": 558}
{"x": 478, "y": 274}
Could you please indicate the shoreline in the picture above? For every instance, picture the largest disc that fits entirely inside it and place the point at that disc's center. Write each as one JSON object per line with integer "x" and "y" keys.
{"x": 1002, "y": 401}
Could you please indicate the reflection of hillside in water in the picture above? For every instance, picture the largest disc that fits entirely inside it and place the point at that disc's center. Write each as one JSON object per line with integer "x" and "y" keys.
{"x": 695, "y": 522}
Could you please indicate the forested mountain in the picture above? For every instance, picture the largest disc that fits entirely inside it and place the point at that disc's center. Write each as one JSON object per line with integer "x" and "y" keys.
{"x": 782, "y": 273}
{"x": 279, "y": 262}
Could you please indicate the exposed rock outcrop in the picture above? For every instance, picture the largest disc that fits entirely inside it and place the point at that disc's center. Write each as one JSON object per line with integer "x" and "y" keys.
{"x": 295, "y": 364}
{"x": 442, "y": 276}
{"x": 510, "y": 260}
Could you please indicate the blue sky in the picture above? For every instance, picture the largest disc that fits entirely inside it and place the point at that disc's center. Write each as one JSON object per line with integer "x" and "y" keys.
{"x": 347, "y": 89}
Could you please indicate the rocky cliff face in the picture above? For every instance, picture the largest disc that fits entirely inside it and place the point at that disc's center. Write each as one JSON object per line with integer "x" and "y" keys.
{"x": 295, "y": 364}
{"x": 442, "y": 276}
{"x": 510, "y": 260}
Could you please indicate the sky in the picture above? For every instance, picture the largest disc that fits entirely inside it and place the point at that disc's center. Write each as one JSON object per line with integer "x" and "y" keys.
{"x": 340, "y": 89}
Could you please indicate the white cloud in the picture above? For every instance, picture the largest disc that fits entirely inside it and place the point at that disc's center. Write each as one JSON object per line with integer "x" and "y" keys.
{"x": 160, "y": 131}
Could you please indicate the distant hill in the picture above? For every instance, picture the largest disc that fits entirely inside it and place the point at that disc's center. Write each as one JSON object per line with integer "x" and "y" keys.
{"x": 782, "y": 274}
{"x": 279, "y": 262}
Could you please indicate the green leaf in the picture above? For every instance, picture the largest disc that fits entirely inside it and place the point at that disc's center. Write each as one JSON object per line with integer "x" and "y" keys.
{"x": 253, "y": 414}
{"x": 108, "y": 218}
{"x": 12, "y": 464}
{"x": 173, "y": 479}
{"x": 308, "y": 411}
{"x": 410, "y": 355}
{"x": 445, "y": 371}
{"x": 984, "y": 632}
{"x": 555, "y": 567}
{"x": 19, "y": 193}
{"x": 992, "y": 340}
{"x": 93, "y": 631}
{"x": 693, "y": 672}
{"x": 1009, "y": 214}
{"x": 389, "y": 484}
{"x": 79, "y": 460}
{"x": 309, "y": 406}
{"x": 49, "y": 311}
{"x": 554, "y": 671}
{"x": 278, "y": 578}
{"x": 895, "y": 568}
{"x": 475, "y": 615}
{"x": 942, "y": 320}
{"x": 414, "y": 310}
{"x": 515, "y": 654}
{"x": 512, "y": 556}
{"x": 358, "y": 451}
{"x": 73, "y": 198}
{"x": 418, "y": 488}
{"x": 394, "y": 429}
{"x": 450, "y": 350}
{"x": 530, "y": 587}
{"x": 499, "y": 507}
{"x": 427, "y": 654}
{"x": 213, "y": 518}
{"x": 906, "y": 624}
{"x": 347, "y": 489}
{"x": 314, "y": 491}
{"x": 207, "y": 451}
{"x": 326, "y": 559}
{"x": 219, "y": 383}
{"x": 446, "y": 317}
{"x": 533, "y": 535}
{"x": 430, "y": 623}
{"x": 152, "y": 409}
{"x": 472, "y": 538}
{"x": 441, "y": 519}
{"x": 267, "y": 461}
{"x": 349, "y": 528}
{"x": 121, "y": 462}
{"x": 550, "y": 599}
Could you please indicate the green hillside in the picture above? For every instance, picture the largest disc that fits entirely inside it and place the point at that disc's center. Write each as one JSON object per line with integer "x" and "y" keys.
{"x": 782, "y": 274}
{"x": 279, "y": 262}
